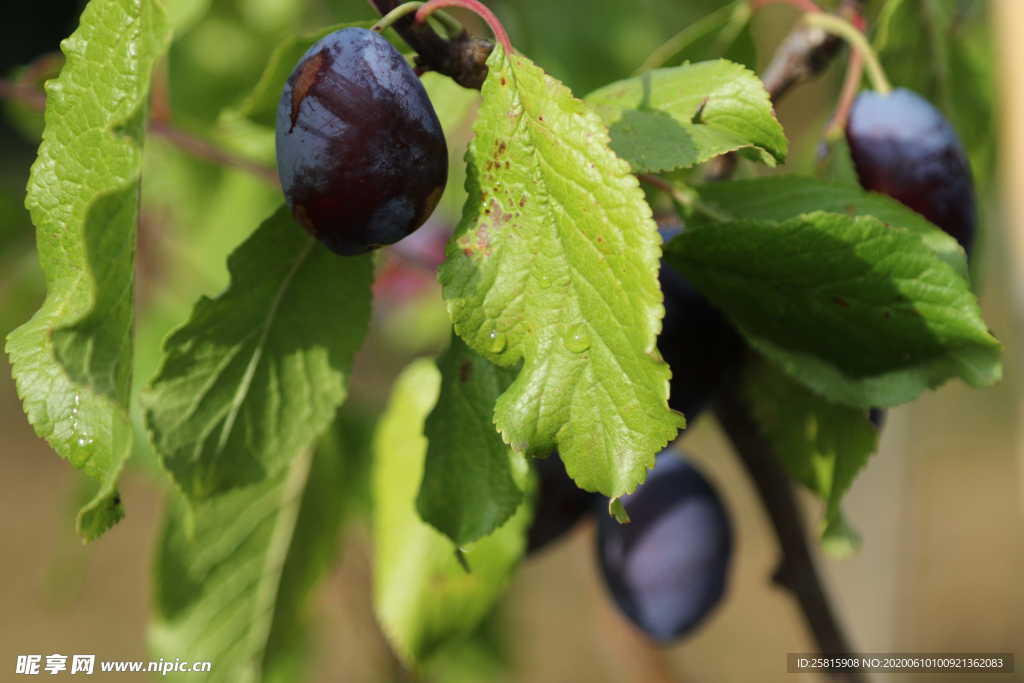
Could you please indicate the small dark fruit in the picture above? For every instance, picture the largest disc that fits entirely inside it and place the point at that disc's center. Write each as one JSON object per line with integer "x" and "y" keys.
{"x": 360, "y": 152}
{"x": 668, "y": 567}
{"x": 904, "y": 147}
{"x": 560, "y": 503}
{"x": 697, "y": 342}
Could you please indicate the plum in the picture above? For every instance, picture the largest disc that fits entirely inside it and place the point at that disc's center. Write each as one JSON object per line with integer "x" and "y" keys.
{"x": 668, "y": 567}
{"x": 560, "y": 503}
{"x": 697, "y": 342}
{"x": 360, "y": 152}
{"x": 904, "y": 147}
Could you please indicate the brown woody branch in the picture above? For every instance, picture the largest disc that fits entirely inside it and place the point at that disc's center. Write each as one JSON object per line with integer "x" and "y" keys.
{"x": 796, "y": 571}
{"x": 462, "y": 57}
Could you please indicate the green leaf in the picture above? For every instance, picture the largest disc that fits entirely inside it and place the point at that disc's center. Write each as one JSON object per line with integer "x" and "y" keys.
{"x": 257, "y": 374}
{"x": 423, "y": 597}
{"x": 781, "y": 197}
{"x": 678, "y": 117}
{"x": 485, "y": 655}
{"x": 555, "y": 265}
{"x": 468, "y": 489}
{"x": 859, "y": 311}
{"x": 233, "y": 579}
{"x": 72, "y": 360}
{"x": 822, "y": 445}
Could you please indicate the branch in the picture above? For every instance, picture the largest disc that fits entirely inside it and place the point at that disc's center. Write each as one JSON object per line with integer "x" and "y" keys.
{"x": 461, "y": 58}
{"x": 805, "y": 53}
{"x": 27, "y": 95}
{"x": 159, "y": 127}
{"x": 796, "y": 572}
{"x": 207, "y": 151}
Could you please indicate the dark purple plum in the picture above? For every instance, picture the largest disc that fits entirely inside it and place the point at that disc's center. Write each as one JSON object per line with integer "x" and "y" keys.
{"x": 904, "y": 147}
{"x": 697, "y": 342}
{"x": 560, "y": 503}
{"x": 360, "y": 152}
{"x": 668, "y": 567}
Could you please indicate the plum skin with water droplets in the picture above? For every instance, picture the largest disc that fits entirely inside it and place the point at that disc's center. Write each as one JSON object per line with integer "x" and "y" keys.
{"x": 360, "y": 152}
{"x": 903, "y": 147}
{"x": 668, "y": 567}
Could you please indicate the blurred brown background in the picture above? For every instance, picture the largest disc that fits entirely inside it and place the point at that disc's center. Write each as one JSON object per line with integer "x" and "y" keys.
{"x": 939, "y": 507}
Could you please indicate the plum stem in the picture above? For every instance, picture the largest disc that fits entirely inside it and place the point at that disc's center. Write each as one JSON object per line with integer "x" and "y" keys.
{"x": 452, "y": 25}
{"x": 473, "y": 6}
{"x": 796, "y": 570}
{"x": 394, "y": 15}
{"x": 855, "y": 37}
{"x": 851, "y": 83}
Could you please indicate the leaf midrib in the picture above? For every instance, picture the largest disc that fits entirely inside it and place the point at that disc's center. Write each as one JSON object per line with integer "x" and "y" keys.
{"x": 250, "y": 370}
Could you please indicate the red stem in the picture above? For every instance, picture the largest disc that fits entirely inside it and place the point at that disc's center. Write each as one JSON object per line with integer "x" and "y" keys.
{"x": 851, "y": 84}
{"x": 473, "y": 6}
{"x": 802, "y": 5}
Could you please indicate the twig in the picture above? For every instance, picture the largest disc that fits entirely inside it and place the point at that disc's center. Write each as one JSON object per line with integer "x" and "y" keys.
{"x": 801, "y": 56}
{"x": 159, "y": 127}
{"x": 462, "y": 58}
{"x": 27, "y": 95}
{"x": 796, "y": 571}
{"x": 209, "y": 152}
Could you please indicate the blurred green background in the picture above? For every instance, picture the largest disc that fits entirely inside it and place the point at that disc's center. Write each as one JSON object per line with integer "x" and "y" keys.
{"x": 939, "y": 506}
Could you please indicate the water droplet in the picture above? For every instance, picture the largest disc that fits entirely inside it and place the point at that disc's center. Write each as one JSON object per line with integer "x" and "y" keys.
{"x": 496, "y": 341}
{"x": 577, "y": 339}
{"x": 543, "y": 280}
{"x": 82, "y": 441}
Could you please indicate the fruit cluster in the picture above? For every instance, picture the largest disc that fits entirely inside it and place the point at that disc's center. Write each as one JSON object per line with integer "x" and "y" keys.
{"x": 363, "y": 161}
{"x": 667, "y": 569}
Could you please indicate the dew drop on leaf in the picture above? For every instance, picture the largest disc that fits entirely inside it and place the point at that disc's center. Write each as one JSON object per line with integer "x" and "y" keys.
{"x": 577, "y": 339}
{"x": 496, "y": 341}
